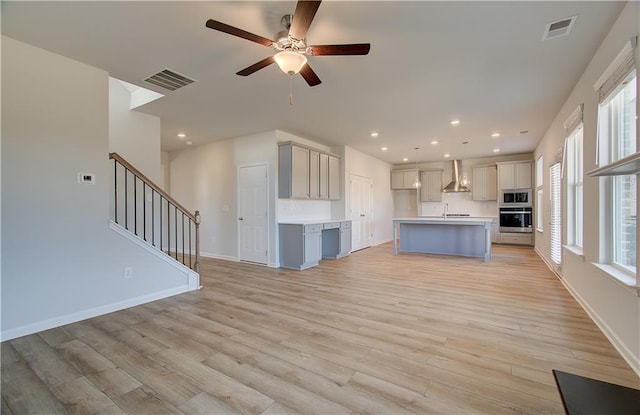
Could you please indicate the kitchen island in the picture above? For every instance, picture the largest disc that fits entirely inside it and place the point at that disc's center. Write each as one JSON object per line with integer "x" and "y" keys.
{"x": 463, "y": 236}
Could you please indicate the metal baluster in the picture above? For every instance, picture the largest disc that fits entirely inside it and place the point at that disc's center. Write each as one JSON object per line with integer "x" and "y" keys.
{"x": 126, "y": 199}
{"x": 115, "y": 189}
{"x": 175, "y": 223}
{"x": 144, "y": 210}
{"x": 153, "y": 217}
{"x": 168, "y": 228}
{"x": 135, "y": 204}
{"x": 182, "y": 237}
{"x": 190, "y": 252}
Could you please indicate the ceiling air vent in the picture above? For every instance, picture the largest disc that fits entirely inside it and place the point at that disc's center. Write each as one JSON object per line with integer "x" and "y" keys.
{"x": 169, "y": 79}
{"x": 559, "y": 28}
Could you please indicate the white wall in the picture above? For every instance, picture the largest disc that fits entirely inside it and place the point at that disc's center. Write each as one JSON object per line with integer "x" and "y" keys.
{"x": 204, "y": 178}
{"x": 134, "y": 135}
{"x": 380, "y": 174}
{"x": 61, "y": 261}
{"x": 614, "y": 307}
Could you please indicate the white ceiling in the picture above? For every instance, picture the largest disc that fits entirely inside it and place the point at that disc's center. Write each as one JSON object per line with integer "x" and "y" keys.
{"x": 430, "y": 62}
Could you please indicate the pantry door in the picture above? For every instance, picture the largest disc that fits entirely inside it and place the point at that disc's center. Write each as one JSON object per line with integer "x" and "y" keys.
{"x": 361, "y": 211}
{"x": 253, "y": 229}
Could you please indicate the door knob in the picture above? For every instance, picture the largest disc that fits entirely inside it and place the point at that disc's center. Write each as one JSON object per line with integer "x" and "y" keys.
{"x": 362, "y": 215}
{"x": 240, "y": 218}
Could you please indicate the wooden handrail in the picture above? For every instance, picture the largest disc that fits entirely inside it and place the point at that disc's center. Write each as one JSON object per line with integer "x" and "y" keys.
{"x": 151, "y": 184}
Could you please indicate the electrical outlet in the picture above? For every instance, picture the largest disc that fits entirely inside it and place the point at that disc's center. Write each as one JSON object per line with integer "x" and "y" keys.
{"x": 128, "y": 272}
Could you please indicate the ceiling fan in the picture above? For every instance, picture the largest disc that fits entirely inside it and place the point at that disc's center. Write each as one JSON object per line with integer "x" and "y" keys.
{"x": 291, "y": 44}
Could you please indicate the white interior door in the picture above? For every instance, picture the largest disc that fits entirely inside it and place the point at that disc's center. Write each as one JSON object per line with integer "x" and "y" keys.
{"x": 361, "y": 189}
{"x": 253, "y": 229}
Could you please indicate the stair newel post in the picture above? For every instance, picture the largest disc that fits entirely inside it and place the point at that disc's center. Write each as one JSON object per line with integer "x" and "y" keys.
{"x": 197, "y": 222}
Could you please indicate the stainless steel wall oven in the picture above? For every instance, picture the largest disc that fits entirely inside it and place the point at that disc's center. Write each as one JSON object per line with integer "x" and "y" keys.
{"x": 516, "y": 219}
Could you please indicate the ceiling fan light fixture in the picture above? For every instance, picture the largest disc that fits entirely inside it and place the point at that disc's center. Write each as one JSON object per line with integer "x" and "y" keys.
{"x": 290, "y": 62}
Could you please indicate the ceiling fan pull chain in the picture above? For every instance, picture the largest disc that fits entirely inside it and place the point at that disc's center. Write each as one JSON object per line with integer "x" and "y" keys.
{"x": 291, "y": 91}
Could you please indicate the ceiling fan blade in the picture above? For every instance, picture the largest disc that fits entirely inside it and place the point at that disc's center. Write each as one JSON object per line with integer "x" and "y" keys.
{"x": 302, "y": 18}
{"x": 256, "y": 66}
{"x": 352, "y": 49}
{"x": 222, "y": 27}
{"x": 310, "y": 76}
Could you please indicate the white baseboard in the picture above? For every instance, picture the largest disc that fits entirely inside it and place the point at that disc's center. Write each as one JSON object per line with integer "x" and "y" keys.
{"x": 217, "y": 256}
{"x": 624, "y": 351}
{"x": 92, "y": 312}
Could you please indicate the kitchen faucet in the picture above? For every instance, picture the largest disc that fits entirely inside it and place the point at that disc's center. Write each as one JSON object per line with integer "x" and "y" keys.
{"x": 446, "y": 210}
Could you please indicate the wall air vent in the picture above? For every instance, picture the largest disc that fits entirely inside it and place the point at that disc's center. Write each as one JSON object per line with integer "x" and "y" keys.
{"x": 559, "y": 28}
{"x": 169, "y": 79}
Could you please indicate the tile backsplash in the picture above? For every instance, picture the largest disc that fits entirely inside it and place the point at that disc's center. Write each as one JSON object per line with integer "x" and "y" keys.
{"x": 293, "y": 209}
{"x": 459, "y": 203}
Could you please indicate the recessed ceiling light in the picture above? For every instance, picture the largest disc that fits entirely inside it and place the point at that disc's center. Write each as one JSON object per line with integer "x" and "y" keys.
{"x": 434, "y": 142}
{"x": 384, "y": 148}
{"x": 495, "y": 135}
{"x": 454, "y": 122}
{"x": 189, "y": 143}
{"x": 447, "y": 155}
{"x": 496, "y": 150}
{"x": 374, "y": 134}
{"x": 181, "y": 135}
{"x": 405, "y": 159}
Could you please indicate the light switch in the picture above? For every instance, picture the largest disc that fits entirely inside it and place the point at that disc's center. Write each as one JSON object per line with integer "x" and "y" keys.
{"x": 86, "y": 178}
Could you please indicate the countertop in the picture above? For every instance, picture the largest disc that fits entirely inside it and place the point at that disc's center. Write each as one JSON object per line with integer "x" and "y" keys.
{"x": 450, "y": 219}
{"x": 313, "y": 222}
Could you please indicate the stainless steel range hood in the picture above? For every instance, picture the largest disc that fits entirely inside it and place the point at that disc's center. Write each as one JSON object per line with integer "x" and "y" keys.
{"x": 455, "y": 185}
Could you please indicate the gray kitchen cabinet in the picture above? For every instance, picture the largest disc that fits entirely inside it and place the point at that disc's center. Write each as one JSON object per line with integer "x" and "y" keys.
{"x": 484, "y": 183}
{"x": 334, "y": 178}
{"x": 345, "y": 239}
{"x": 314, "y": 174}
{"x": 305, "y": 173}
{"x": 300, "y": 245}
{"x": 293, "y": 178}
{"x": 515, "y": 175}
{"x": 431, "y": 189}
{"x": 323, "y": 189}
{"x": 403, "y": 179}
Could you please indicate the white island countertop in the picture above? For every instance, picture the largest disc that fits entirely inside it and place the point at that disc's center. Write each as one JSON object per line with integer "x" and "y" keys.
{"x": 451, "y": 235}
{"x": 449, "y": 219}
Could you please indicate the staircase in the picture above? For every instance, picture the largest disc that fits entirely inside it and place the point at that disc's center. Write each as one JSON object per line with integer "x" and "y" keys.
{"x": 144, "y": 209}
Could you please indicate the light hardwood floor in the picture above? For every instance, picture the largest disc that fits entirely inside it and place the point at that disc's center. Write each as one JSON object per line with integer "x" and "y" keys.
{"x": 370, "y": 333}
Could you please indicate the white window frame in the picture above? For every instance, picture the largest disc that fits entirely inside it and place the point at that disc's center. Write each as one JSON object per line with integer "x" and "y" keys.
{"x": 620, "y": 75}
{"x": 555, "y": 198}
{"x": 539, "y": 194}
{"x": 575, "y": 189}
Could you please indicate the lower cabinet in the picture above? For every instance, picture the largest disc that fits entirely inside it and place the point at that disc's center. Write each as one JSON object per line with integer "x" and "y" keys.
{"x": 300, "y": 245}
{"x": 303, "y": 245}
{"x": 516, "y": 238}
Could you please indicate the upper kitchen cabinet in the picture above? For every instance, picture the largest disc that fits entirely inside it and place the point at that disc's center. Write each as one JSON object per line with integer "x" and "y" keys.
{"x": 484, "y": 183}
{"x": 306, "y": 173}
{"x": 403, "y": 179}
{"x": 431, "y": 190}
{"x": 334, "y": 178}
{"x": 515, "y": 175}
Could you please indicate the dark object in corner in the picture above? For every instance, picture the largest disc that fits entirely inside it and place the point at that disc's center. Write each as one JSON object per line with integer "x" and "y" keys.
{"x": 585, "y": 396}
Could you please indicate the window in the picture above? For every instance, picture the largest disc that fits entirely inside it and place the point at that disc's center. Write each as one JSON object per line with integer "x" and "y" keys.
{"x": 617, "y": 139}
{"x": 539, "y": 200}
{"x": 556, "y": 214}
{"x": 574, "y": 157}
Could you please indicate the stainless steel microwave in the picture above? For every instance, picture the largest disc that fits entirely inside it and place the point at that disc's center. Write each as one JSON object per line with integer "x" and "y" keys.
{"x": 516, "y": 198}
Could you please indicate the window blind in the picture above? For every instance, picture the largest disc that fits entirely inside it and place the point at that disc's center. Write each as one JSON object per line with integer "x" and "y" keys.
{"x": 556, "y": 214}
{"x": 617, "y": 72}
{"x": 570, "y": 125}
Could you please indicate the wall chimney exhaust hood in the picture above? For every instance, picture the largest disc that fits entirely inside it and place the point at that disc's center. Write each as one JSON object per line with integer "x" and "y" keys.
{"x": 455, "y": 185}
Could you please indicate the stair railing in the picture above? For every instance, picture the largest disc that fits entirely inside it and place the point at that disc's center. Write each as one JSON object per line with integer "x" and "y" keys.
{"x": 143, "y": 208}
